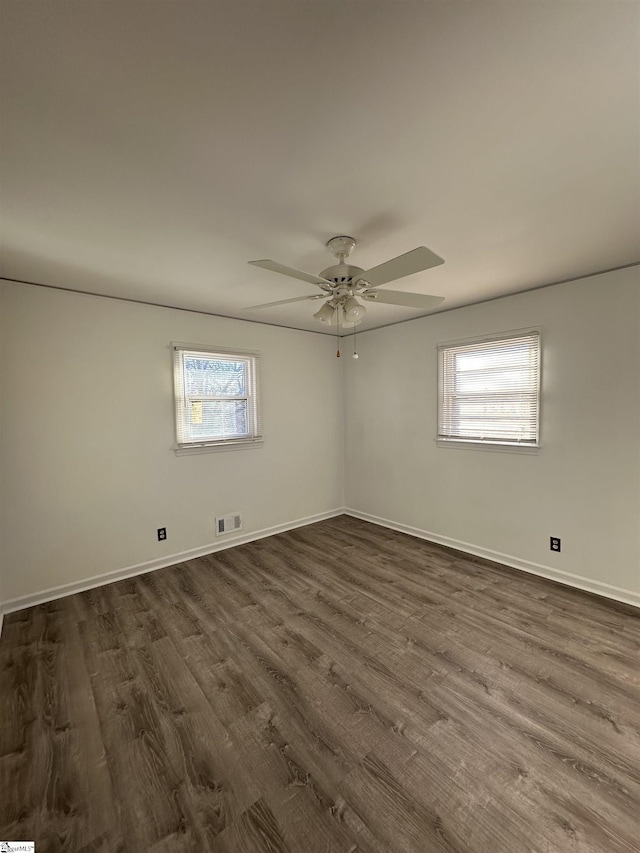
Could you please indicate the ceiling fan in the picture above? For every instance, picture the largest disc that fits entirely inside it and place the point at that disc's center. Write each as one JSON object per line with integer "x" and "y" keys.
{"x": 343, "y": 285}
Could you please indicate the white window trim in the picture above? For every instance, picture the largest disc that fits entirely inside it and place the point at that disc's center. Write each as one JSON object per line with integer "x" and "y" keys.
{"x": 492, "y": 444}
{"x": 254, "y": 440}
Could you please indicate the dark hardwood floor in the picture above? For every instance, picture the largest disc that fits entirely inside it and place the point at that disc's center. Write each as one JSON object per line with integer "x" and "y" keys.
{"x": 340, "y": 687}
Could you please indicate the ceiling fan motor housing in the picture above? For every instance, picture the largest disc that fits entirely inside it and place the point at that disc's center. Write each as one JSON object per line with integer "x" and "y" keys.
{"x": 341, "y": 273}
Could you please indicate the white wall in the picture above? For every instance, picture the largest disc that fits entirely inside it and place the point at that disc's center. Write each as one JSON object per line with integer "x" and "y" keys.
{"x": 583, "y": 485}
{"x": 86, "y": 432}
{"x": 2, "y": 582}
{"x": 89, "y": 473}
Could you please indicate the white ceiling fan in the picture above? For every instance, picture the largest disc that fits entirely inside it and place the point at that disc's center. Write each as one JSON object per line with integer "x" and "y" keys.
{"x": 342, "y": 283}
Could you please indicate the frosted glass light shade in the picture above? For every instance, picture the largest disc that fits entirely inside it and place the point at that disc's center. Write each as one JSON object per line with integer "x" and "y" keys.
{"x": 353, "y": 310}
{"x": 325, "y": 314}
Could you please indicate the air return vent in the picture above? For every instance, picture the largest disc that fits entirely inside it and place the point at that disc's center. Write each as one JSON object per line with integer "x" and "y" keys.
{"x": 228, "y": 523}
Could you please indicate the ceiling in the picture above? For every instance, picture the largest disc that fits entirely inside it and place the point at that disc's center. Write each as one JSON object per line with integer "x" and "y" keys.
{"x": 150, "y": 149}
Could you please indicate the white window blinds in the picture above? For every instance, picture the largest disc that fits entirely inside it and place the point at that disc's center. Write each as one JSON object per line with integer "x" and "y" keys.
{"x": 216, "y": 397}
{"x": 489, "y": 391}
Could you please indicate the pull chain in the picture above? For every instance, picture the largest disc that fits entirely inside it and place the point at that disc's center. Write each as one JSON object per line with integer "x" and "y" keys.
{"x": 338, "y": 331}
{"x": 355, "y": 351}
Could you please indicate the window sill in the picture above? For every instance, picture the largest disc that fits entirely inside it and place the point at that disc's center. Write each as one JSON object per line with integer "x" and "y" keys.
{"x": 506, "y": 447}
{"x": 190, "y": 450}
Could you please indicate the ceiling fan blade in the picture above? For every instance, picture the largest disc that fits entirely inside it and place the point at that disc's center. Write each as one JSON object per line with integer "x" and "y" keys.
{"x": 411, "y": 262}
{"x": 274, "y": 266}
{"x": 401, "y": 297}
{"x": 284, "y": 301}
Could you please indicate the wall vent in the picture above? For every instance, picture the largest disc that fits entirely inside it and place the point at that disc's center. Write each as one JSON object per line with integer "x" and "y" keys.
{"x": 228, "y": 523}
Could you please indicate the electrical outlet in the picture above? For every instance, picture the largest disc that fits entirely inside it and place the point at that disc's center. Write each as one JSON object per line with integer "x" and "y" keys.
{"x": 554, "y": 543}
{"x": 162, "y": 534}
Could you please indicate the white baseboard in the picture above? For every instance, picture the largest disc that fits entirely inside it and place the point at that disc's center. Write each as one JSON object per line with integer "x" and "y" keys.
{"x": 150, "y": 566}
{"x": 579, "y": 582}
{"x": 626, "y": 596}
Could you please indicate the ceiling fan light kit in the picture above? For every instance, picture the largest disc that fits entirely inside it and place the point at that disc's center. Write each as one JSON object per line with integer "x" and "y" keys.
{"x": 341, "y": 283}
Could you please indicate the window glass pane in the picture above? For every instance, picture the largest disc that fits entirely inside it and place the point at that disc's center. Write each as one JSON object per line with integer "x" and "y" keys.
{"x": 499, "y": 428}
{"x": 218, "y": 419}
{"x": 216, "y": 398}
{"x": 489, "y": 390}
{"x": 504, "y": 379}
{"x": 214, "y": 377}
{"x": 495, "y": 358}
{"x": 508, "y": 408}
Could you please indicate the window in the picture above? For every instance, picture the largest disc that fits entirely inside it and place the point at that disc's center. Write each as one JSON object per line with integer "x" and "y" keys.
{"x": 489, "y": 390}
{"x": 216, "y": 396}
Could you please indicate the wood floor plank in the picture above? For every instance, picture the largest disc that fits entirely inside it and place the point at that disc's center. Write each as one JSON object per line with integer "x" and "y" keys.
{"x": 145, "y": 781}
{"x": 215, "y": 785}
{"x": 339, "y": 687}
{"x": 257, "y": 829}
{"x": 299, "y": 787}
{"x": 61, "y": 782}
{"x": 393, "y": 815}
